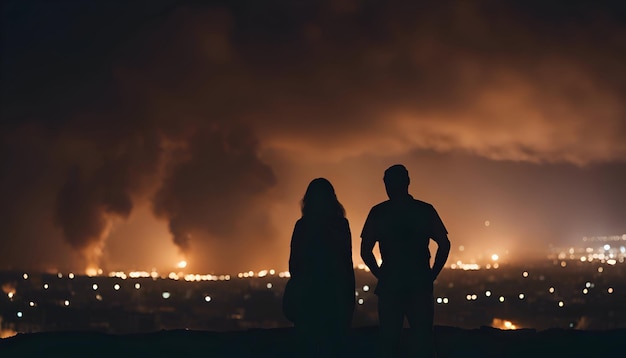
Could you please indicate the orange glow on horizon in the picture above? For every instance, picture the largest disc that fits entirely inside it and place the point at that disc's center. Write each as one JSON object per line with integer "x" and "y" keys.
{"x": 503, "y": 324}
{"x": 93, "y": 271}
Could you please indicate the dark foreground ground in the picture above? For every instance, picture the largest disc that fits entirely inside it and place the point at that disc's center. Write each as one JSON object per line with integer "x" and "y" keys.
{"x": 451, "y": 342}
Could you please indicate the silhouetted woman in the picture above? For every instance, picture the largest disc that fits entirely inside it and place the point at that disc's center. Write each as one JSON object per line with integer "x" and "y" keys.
{"x": 320, "y": 295}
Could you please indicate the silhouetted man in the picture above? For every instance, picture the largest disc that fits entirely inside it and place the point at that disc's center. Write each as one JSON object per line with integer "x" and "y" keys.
{"x": 403, "y": 227}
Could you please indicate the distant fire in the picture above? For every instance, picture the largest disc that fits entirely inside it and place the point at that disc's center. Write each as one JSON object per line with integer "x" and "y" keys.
{"x": 8, "y": 289}
{"x": 93, "y": 271}
{"x": 503, "y": 324}
{"x": 6, "y": 333}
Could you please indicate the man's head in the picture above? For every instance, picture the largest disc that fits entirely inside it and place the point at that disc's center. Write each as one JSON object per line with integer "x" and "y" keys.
{"x": 396, "y": 181}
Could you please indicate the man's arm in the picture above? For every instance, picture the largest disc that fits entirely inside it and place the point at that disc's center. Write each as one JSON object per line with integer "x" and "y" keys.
{"x": 368, "y": 240}
{"x": 443, "y": 249}
{"x": 367, "y": 254}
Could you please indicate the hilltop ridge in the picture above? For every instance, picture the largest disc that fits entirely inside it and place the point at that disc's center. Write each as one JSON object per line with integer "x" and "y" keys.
{"x": 279, "y": 342}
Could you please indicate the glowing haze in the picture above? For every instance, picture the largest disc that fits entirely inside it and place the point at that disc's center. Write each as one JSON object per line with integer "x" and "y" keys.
{"x": 137, "y": 137}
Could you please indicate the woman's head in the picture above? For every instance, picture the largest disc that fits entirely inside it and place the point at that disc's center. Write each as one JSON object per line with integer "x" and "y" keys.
{"x": 320, "y": 200}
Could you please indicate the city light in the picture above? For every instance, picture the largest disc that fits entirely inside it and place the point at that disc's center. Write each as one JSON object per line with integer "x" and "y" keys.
{"x": 503, "y": 324}
{"x": 91, "y": 272}
{"x": 118, "y": 274}
{"x": 464, "y": 266}
{"x": 576, "y": 286}
{"x": 139, "y": 274}
{"x": 181, "y": 264}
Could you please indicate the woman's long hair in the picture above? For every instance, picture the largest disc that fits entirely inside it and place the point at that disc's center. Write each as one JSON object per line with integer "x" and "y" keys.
{"x": 320, "y": 200}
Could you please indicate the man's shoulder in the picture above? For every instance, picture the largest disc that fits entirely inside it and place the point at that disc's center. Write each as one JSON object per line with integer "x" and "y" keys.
{"x": 381, "y": 206}
{"x": 387, "y": 204}
{"x": 422, "y": 204}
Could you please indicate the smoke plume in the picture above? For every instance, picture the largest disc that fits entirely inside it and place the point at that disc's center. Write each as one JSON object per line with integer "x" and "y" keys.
{"x": 212, "y": 187}
{"x": 107, "y": 105}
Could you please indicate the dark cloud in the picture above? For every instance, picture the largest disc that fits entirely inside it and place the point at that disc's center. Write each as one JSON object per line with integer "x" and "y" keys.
{"x": 497, "y": 80}
{"x": 102, "y": 187}
{"x": 106, "y": 105}
{"x": 212, "y": 186}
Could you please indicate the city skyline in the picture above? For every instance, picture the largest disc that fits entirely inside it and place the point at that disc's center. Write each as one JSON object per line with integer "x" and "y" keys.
{"x": 570, "y": 293}
{"x": 135, "y": 137}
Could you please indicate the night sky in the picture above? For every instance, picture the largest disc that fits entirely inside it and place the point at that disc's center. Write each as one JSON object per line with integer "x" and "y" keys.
{"x": 136, "y": 135}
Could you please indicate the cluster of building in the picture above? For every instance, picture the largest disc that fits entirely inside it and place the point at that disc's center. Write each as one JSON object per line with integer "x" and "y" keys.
{"x": 578, "y": 287}
{"x": 604, "y": 249}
